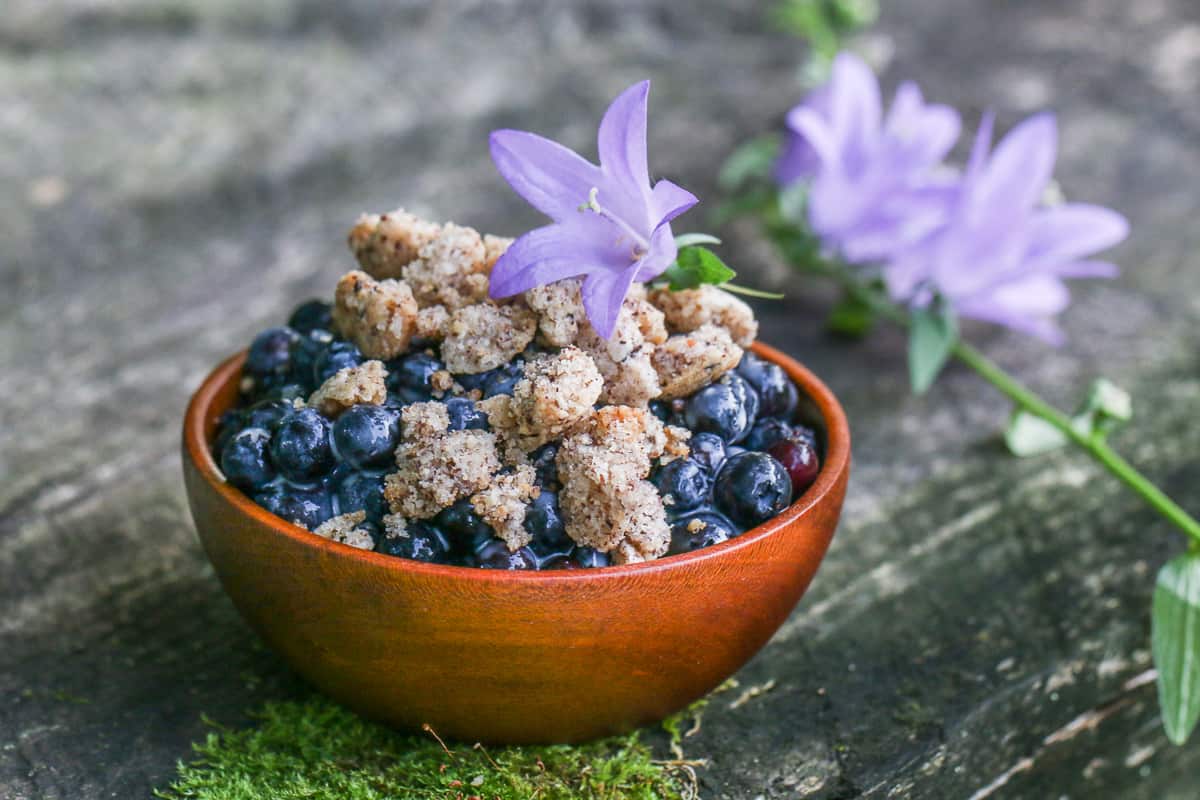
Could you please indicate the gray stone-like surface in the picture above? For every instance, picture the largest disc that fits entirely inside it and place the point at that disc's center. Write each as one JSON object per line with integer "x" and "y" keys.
{"x": 178, "y": 174}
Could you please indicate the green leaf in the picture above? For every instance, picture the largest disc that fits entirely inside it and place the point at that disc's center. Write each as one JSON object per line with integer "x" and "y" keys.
{"x": 1028, "y": 435}
{"x": 931, "y": 339}
{"x": 1106, "y": 407}
{"x": 690, "y": 239}
{"x": 851, "y": 317}
{"x": 695, "y": 266}
{"x": 851, "y": 15}
{"x": 749, "y": 292}
{"x": 752, "y": 160}
{"x": 1176, "y": 638}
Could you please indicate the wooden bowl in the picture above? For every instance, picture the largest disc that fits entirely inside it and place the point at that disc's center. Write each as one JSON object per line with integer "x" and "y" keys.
{"x": 510, "y": 657}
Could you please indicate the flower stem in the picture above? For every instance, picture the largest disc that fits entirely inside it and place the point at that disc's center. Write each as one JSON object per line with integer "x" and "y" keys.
{"x": 1024, "y": 398}
{"x": 1096, "y": 446}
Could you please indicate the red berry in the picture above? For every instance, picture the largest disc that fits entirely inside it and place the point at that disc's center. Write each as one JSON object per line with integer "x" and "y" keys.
{"x": 800, "y": 460}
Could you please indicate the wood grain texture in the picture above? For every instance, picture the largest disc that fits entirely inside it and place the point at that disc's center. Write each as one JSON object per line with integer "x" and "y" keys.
{"x": 511, "y": 658}
{"x": 178, "y": 176}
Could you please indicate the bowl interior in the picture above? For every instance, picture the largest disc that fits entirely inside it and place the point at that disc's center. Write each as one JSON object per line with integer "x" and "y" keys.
{"x": 818, "y": 408}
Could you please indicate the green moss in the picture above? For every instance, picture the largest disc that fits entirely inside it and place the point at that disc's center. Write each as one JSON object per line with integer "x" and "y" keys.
{"x": 315, "y": 749}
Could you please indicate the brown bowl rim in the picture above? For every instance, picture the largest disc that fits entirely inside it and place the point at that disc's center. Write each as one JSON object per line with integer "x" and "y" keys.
{"x": 836, "y": 462}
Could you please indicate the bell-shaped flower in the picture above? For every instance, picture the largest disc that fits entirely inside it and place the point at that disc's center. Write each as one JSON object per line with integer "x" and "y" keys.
{"x": 1002, "y": 255}
{"x": 873, "y": 182}
{"x": 610, "y": 226}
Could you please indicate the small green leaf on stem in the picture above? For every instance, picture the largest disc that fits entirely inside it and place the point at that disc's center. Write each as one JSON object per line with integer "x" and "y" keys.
{"x": 748, "y": 292}
{"x": 1176, "y": 639}
{"x": 852, "y": 317}
{"x": 691, "y": 239}
{"x": 931, "y": 339}
{"x": 1029, "y": 435}
{"x": 752, "y": 160}
{"x": 695, "y": 266}
{"x": 1107, "y": 406}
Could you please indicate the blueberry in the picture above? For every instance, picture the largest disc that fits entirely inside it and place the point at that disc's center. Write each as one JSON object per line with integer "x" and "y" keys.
{"x": 707, "y": 450}
{"x": 337, "y": 356}
{"x": 246, "y": 461}
{"x": 752, "y": 487}
{"x": 287, "y": 392}
{"x": 360, "y": 491}
{"x": 662, "y": 410}
{"x": 424, "y": 542}
{"x": 557, "y": 561}
{"x": 300, "y": 446}
{"x": 545, "y": 463}
{"x": 366, "y": 435}
{"x": 724, "y": 408}
{"x": 683, "y": 484}
{"x": 766, "y": 432}
{"x": 473, "y": 382}
{"x": 270, "y": 352}
{"x": 799, "y": 459}
{"x": 465, "y": 530}
{"x": 589, "y": 557}
{"x": 228, "y": 425}
{"x": 305, "y": 352}
{"x": 307, "y": 508}
{"x": 503, "y": 379}
{"x": 495, "y": 555}
{"x": 701, "y": 529}
{"x": 311, "y": 315}
{"x": 776, "y": 392}
{"x": 464, "y": 415}
{"x": 267, "y": 414}
{"x": 411, "y": 376}
{"x": 543, "y": 521}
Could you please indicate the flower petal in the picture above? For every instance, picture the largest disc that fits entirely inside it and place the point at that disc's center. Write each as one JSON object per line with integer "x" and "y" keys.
{"x": 924, "y": 134}
{"x": 669, "y": 200}
{"x": 1087, "y": 269}
{"x": 622, "y": 137}
{"x": 553, "y": 252}
{"x": 551, "y": 178}
{"x": 1073, "y": 231}
{"x": 1018, "y": 172}
{"x": 1026, "y": 305}
{"x": 814, "y": 130}
{"x": 661, "y": 253}
{"x": 603, "y": 293}
{"x": 856, "y": 107}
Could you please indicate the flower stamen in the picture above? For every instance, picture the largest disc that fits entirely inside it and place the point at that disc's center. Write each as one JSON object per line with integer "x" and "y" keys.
{"x": 641, "y": 244}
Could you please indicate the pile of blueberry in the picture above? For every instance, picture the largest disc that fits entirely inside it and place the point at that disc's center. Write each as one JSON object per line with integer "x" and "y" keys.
{"x": 749, "y": 457}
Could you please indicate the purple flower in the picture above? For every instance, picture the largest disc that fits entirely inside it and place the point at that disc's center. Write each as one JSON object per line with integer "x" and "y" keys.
{"x": 873, "y": 184}
{"x": 1002, "y": 254}
{"x": 610, "y": 226}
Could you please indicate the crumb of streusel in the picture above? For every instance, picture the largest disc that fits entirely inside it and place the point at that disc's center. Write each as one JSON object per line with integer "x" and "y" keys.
{"x": 493, "y": 248}
{"x": 432, "y": 323}
{"x": 687, "y": 310}
{"x": 350, "y": 386}
{"x": 345, "y": 529}
{"x": 502, "y": 505}
{"x": 556, "y": 392}
{"x": 450, "y": 269}
{"x": 485, "y": 336}
{"x": 436, "y": 467}
{"x": 378, "y": 316}
{"x": 677, "y": 443}
{"x": 688, "y": 361}
{"x": 385, "y": 243}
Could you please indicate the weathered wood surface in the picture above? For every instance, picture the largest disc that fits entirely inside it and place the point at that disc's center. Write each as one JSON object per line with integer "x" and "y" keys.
{"x": 178, "y": 174}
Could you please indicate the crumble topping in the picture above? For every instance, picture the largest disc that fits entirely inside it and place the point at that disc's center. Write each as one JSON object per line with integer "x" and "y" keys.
{"x": 677, "y": 444}
{"x": 395, "y": 526}
{"x": 437, "y": 467}
{"x": 433, "y": 322}
{"x": 559, "y": 307}
{"x": 690, "y": 309}
{"x": 485, "y": 336}
{"x": 384, "y": 244}
{"x": 378, "y": 316}
{"x": 502, "y": 505}
{"x": 345, "y": 529}
{"x": 493, "y": 248}
{"x": 605, "y": 500}
{"x": 556, "y": 392}
{"x": 351, "y": 386}
{"x": 450, "y": 269}
{"x": 688, "y": 361}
